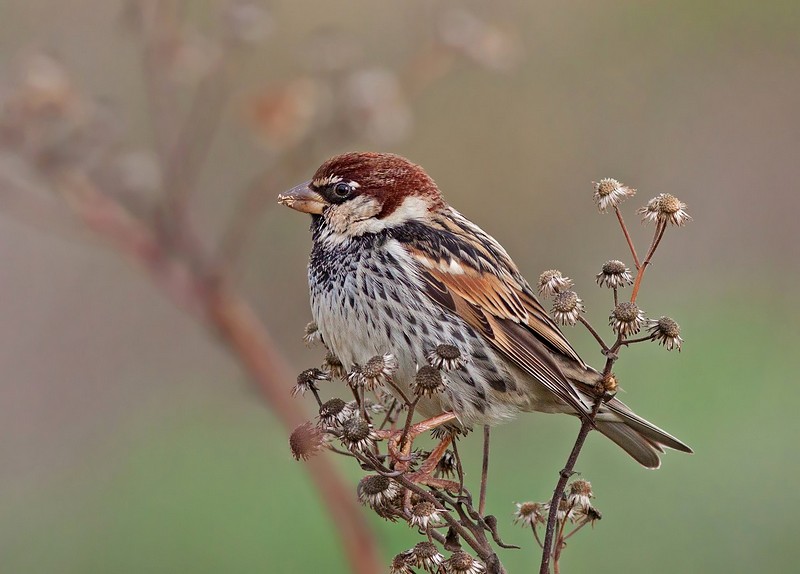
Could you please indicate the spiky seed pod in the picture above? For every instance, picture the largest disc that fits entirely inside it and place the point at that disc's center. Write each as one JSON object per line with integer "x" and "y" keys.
{"x": 567, "y": 307}
{"x": 334, "y": 412}
{"x": 402, "y": 563}
{"x": 376, "y": 370}
{"x": 580, "y": 493}
{"x": 462, "y": 563}
{"x": 306, "y": 441}
{"x": 586, "y": 514}
{"x": 614, "y": 275}
{"x": 626, "y": 319}
{"x": 446, "y": 357}
{"x": 665, "y": 208}
{"x": 530, "y": 513}
{"x": 424, "y": 513}
{"x": 427, "y": 382}
{"x": 375, "y": 490}
{"x": 666, "y": 331}
{"x": 311, "y": 334}
{"x": 307, "y": 380}
{"x": 357, "y": 434}
{"x": 446, "y": 466}
{"x": 609, "y": 193}
{"x": 552, "y": 282}
{"x": 427, "y": 556}
{"x": 333, "y": 366}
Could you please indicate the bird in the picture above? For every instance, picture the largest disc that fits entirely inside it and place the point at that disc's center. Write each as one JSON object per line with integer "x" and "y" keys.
{"x": 395, "y": 269}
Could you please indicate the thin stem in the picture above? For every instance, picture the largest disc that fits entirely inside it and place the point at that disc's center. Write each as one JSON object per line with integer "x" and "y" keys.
{"x": 591, "y": 329}
{"x": 459, "y": 466}
{"x": 638, "y": 340}
{"x": 587, "y": 423}
{"x": 407, "y": 426}
{"x": 627, "y": 237}
{"x": 659, "y": 233}
{"x": 536, "y": 536}
{"x": 484, "y": 471}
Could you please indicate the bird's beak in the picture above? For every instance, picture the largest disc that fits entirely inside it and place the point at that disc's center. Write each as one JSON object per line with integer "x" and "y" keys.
{"x": 303, "y": 198}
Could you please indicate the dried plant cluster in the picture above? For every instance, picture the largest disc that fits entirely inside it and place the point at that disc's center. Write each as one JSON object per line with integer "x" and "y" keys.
{"x": 374, "y": 423}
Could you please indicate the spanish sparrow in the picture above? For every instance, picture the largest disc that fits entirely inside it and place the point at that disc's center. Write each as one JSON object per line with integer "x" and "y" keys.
{"x": 395, "y": 269}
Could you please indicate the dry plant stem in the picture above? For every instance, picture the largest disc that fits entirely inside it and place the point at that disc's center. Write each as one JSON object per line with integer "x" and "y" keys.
{"x": 659, "y": 233}
{"x": 627, "y": 238}
{"x": 587, "y": 423}
{"x": 484, "y": 471}
{"x": 594, "y": 333}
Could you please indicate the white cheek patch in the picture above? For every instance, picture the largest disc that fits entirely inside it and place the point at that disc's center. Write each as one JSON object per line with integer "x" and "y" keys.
{"x": 357, "y": 217}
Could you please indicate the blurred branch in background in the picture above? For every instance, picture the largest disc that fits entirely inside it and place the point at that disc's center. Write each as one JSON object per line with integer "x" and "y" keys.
{"x": 63, "y": 151}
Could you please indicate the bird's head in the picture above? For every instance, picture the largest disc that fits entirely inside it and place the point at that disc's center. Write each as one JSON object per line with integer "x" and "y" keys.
{"x": 358, "y": 193}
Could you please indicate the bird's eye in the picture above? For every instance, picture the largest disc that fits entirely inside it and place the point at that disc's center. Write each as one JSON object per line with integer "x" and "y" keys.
{"x": 342, "y": 189}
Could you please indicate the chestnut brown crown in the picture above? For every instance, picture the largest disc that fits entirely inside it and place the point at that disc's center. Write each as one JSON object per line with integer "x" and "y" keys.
{"x": 382, "y": 181}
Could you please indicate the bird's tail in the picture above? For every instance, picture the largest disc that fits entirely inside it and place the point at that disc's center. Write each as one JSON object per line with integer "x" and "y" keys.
{"x": 639, "y": 438}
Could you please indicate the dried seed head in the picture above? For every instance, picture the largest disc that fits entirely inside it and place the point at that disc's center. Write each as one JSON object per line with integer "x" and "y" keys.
{"x": 586, "y": 514}
{"x": 626, "y": 318}
{"x": 428, "y": 382}
{"x": 424, "y": 513}
{"x": 665, "y": 208}
{"x": 580, "y": 493}
{"x": 357, "y": 434}
{"x": 375, "y": 490}
{"x": 307, "y": 380}
{"x": 565, "y": 510}
{"x": 614, "y": 275}
{"x": 306, "y": 441}
{"x": 427, "y": 556}
{"x": 447, "y": 464}
{"x": 666, "y": 331}
{"x": 552, "y": 282}
{"x": 311, "y": 334}
{"x": 445, "y": 357}
{"x": 402, "y": 563}
{"x": 334, "y": 366}
{"x": 376, "y": 370}
{"x": 462, "y": 563}
{"x": 609, "y": 192}
{"x": 567, "y": 307}
{"x": 530, "y": 514}
{"x": 608, "y": 385}
{"x": 334, "y": 412}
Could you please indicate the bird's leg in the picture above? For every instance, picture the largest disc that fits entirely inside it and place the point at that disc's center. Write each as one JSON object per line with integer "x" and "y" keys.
{"x": 400, "y": 442}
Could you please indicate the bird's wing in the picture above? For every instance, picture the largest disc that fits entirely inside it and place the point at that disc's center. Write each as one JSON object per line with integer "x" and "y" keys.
{"x": 468, "y": 273}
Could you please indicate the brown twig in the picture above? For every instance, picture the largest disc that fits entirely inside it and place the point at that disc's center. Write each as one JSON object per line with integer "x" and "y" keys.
{"x": 484, "y": 471}
{"x": 659, "y": 233}
{"x": 627, "y": 237}
{"x": 587, "y": 423}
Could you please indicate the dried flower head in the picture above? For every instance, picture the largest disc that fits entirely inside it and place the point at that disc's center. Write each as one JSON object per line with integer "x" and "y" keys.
{"x": 609, "y": 192}
{"x": 565, "y": 510}
{"x": 552, "y": 282}
{"x": 424, "y": 513}
{"x": 567, "y": 307}
{"x": 666, "y": 331}
{"x": 376, "y": 370}
{"x": 447, "y": 464}
{"x": 608, "y": 384}
{"x": 375, "y": 490}
{"x": 357, "y": 434}
{"x": 586, "y": 514}
{"x": 462, "y": 563}
{"x": 580, "y": 493}
{"x": 427, "y": 382}
{"x": 427, "y": 556}
{"x": 334, "y": 412}
{"x": 334, "y": 366}
{"x": 307, "y": 380}
{"x": 530, "y": 513}
{"x": 614, "y": 275}
{"x": 311, "y": 334}
{"x": 665, "y": 208}
{"x": 402, "y": 563}
{"x": 445, "y": 357}
{"x": 306, "y": 441}
{"x": 626, "y": 318}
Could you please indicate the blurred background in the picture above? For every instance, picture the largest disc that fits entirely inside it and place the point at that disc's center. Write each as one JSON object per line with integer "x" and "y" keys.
{"x": 133, "y": 441}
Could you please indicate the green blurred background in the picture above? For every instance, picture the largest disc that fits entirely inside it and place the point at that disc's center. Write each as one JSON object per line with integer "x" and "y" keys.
{"x": 131, "y": 442}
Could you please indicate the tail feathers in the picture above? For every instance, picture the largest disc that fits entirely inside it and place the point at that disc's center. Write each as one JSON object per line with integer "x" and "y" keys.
{"x": 639, "y": 438}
